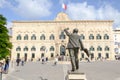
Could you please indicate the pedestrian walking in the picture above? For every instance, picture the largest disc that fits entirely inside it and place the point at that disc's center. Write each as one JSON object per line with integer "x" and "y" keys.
{"x": 43, "y": 60}
{"x": 22, "y": 62}
{"x": 18, "y": 61}
{"x": 56, "y": 61}
{"x": 6, "y": 67}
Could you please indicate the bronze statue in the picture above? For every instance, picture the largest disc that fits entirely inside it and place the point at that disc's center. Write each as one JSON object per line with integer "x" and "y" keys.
{"x": 73, "y": 47}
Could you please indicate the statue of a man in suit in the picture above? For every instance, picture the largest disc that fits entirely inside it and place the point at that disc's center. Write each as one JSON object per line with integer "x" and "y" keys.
{"x": 73, "y": 47}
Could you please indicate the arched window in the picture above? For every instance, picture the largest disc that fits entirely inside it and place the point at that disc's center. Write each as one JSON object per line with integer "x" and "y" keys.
{"x": 18, "y": 48}
{"x": 26, "y": 37}
{"x": 33, "y": 48}
{"x": 82, "y": 36}
{"x": 19, "y": 37}
{"x": 62, "y": 50}
{"x": 91, "y": 48}
{"x": 42, "y": 48}
{"x": 33, "y": 37}
{"x": 52, "y": 37}
{"x": 51, "y": 48}
{"x": 26, "y": 48}
{"x": 99, "y": 48}
{"x": 91, "y": 37}
{"x": 106, "y": 48}
{"x": 62, "y": 35}
{"x": 98, "y": 36}
{"x": 42, "y": 37}
{"x": 106, "y": 36}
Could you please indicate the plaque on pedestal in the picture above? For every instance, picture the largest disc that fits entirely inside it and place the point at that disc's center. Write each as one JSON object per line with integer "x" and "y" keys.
{"x": 76, "y": 76}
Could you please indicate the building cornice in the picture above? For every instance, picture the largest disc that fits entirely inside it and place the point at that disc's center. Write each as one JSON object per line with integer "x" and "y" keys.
{"x": 34, "y": 21}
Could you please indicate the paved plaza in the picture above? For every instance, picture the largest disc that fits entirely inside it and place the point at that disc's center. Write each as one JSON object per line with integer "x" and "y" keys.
{"x": 99, "y": 70}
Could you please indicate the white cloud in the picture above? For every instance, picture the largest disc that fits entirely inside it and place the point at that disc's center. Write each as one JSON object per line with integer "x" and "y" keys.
{"x": 84, "y": 11}
{"x": 2, "y": 3}
{"x": 33, "y": 8}
{"x": 9, "y": 27}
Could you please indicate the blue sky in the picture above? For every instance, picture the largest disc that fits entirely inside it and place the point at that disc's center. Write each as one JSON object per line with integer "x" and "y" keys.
{"x": 48, "y": 9}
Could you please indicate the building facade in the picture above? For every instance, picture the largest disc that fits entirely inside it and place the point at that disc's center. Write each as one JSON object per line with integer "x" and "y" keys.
{"x": 36, "y": 39}
{"x": 117, "y": 42}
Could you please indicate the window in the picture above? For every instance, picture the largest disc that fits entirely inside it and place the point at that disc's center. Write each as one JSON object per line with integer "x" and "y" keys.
{"x": 99, "y": 48}
{"x": 106, "y": 36}
{"x": 42, "y": 37}
{"x": 18, "y": 48}
{"x": 19, "y": 37}
{"x": 116, "y": 50}
{"x": 82, "y": 36}
{"x": 26, "y": 37}
{"x": 26, "y": 48}
{"x": 33, "y": 37}
{"x": 62, "y": 35}
{"x": 106, "y": 48}
{"x": 116, "y": 43}
{"x": 51, "y": 48}
{"x": 98, "y": 36}
{"x": 51, "y": 37}
{"x": 42, "y": 48}
{"x": 91, "y": 37}
{"x": 33, "y": 49}
{"x": 91, "y": 48}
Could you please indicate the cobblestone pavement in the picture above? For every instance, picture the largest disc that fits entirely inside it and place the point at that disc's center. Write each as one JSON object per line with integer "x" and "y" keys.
{"x": 99, "y": 70}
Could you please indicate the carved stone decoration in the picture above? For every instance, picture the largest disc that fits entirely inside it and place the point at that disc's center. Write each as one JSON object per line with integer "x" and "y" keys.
{"x": 62, "y": 17}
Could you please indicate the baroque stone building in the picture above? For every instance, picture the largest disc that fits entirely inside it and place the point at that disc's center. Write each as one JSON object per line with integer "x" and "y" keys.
{"x": 36, "y": 39}
{"x": 117, "y": 42}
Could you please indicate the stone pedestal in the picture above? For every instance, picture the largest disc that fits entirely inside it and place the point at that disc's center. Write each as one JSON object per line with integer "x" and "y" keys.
{"x": 76, "y": 76}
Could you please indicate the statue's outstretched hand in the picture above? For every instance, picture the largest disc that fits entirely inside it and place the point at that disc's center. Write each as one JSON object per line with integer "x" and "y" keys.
{"x": 87, "y": 52}
{"x": 66, "y": 29}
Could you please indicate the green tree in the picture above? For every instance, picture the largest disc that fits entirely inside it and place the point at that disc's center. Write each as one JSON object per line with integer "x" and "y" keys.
{"x": 5, "y": 44}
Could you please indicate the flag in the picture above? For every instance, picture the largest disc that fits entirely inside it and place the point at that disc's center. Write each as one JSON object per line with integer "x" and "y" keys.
{"x": 64, "y": 6}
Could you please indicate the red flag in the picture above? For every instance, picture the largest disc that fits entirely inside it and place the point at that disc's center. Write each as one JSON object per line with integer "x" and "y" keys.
{"x": 64, "y": 6}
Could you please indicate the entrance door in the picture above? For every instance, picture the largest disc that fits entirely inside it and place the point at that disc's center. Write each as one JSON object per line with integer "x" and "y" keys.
{"x": 62, "y": 50}
{"x": 18, "y": 55}
{"x": 42, "y": 55}
{"x": 25, "y": 57}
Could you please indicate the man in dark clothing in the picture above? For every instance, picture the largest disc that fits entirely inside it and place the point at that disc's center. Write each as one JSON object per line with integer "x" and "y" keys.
{"x": 73, "y": 47}
{"x": 7, "y": 61}
{"x": 18, "y": 61}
